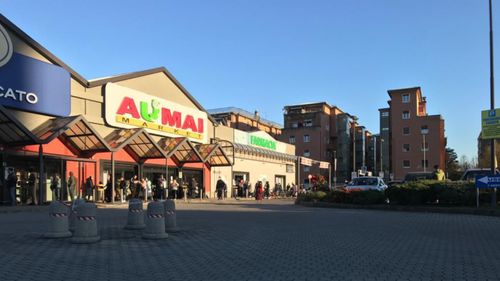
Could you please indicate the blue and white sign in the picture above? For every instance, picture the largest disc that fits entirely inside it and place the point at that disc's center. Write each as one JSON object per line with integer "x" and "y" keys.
{"x": 32, "y": 85}
{"x": 488, "y": 181}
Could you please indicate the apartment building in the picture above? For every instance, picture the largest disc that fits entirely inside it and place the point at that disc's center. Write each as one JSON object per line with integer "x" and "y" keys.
{"x": 325, "y": 133}
{"x": 413, "y": 141}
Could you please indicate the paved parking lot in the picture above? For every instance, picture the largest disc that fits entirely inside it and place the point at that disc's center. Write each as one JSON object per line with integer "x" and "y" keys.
{"x": 271, "y": 241}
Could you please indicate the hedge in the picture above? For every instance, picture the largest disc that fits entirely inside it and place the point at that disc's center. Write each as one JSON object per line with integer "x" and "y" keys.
{"x": 428, "y": 192}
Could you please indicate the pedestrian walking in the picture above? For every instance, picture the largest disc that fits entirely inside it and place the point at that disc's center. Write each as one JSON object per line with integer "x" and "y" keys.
{"x": 259, "y": 191}
{"x": 220, "y": 186}
{"x": 89, "y": 185}
{"x": 175, "y": 187}
{"x": 55, "y": 186}
{"x": 11, "y": 183}
{"x": 32, "y": 184}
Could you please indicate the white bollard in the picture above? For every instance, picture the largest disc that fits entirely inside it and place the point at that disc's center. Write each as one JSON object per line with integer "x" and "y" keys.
{"x": 85, "y": 224}
{"x": 72, "y": 214}
{"x": 135, "y": 218}
{"x": 170, "y": 216}
{"x": 155, "y": 221}
{"x": 59, "y": 225}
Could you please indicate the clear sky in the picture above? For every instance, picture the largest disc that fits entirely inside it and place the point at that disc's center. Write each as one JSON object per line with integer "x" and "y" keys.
{"x": 265, "y": 54}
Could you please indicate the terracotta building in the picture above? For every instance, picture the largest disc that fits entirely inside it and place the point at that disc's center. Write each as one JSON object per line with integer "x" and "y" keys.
{"x": 325, "y": 133}
{"x": 416, "y": 139}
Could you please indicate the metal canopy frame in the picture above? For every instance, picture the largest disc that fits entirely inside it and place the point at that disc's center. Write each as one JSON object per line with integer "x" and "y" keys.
{"x": 12, "y": 132}
{"x": 73, "y": 130}
{"x": 214, "y": 155}
{"x": 264, "y": 152}
{"x": 138, "y": 143}
{"x": 181, "y": 149}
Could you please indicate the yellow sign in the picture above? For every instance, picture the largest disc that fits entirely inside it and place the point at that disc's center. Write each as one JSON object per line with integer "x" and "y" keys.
{"x": 490, "y": 124}
{"x": 157, "y": 127}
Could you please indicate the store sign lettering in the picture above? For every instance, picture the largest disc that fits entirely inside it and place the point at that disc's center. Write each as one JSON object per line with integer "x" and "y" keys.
{"x": 257, "y": 141}
{"x": 31, "y": 85}
{"x": 158, "y": 116}
{"x": 150, "y": 112}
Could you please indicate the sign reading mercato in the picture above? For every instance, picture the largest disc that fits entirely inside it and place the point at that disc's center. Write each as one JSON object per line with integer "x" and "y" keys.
{"x": 128, "y": 108}
{"x": 32, "y": 85}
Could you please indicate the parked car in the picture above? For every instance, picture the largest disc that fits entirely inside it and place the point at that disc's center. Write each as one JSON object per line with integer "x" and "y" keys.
{"x": 470, "y": 174}
{"x": 417, "y": 176}
{"x": 366, "y": 183}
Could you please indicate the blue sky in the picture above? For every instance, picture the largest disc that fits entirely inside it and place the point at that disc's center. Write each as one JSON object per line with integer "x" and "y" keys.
{"x": 265, "y": 54}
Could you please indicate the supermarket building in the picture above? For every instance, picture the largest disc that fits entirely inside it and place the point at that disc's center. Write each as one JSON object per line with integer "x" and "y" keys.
{"x": 54, "y": 121}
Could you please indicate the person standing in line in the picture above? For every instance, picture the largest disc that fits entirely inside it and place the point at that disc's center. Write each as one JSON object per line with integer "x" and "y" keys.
{"x": 33, "y": 188}
{"x": 89, "y": 185}
{"x": 55, "y": 186}
{"x": 71, "y": 186}
{"x": 174, "y": 186}
{"x": 108, "y": 192}
{"x": 11, "y": 183}
{"x": 220, "y": 186}
{"x": 259, "y": 192}
{"x": 266, "y": 190}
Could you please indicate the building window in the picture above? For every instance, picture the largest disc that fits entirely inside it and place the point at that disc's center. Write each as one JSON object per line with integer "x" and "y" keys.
{"x": 425, "y": 163}
{"x": 425, "y": 146}
{"x": 307, "y": 138}
{"x": 308, "y": 123}
{"x": 307, "y": 169}
{"x": 385, "y": 114}
{"x": 307, "y": 153}
{"x": 291, "y": 139}
{"x": 294, "y": 124}
{"x": 406, "y": 147}
{"x": 406, "y": 115}
{"x": 406, "y": 131}
{"x": 406, "y": 98}
{"x": 406, "y": 163}
{"x": 385, "y": 129}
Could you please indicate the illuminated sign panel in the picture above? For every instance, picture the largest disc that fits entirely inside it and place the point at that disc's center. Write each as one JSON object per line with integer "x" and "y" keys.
{"x": 128, "y": 108}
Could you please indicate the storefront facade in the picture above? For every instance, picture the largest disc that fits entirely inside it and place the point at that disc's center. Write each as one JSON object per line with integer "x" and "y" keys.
{"x": 54, "y": 122}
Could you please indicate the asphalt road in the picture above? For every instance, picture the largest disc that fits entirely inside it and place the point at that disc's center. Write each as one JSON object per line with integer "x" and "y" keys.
{"x": 275, "y": 240}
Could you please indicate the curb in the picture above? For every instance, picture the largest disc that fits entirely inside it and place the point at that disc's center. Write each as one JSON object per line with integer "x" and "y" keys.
{"x": 400, "y": 208}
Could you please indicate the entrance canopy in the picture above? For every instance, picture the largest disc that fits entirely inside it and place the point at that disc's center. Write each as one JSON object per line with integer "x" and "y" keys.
{"x": 213, "y": 154}
{"x": 136, "y": 142}
{"x": 74, "y": 130}
{"x": 181, "y": 149}
{"x": 12, "y": 132}
{"x": 248, "y": 149}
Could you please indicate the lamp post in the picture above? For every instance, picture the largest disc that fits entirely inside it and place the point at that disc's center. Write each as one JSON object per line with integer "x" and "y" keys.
{"x": 381, "y": 162}
{"x": 424, "y": 132}
{"x": 492, "y": 104}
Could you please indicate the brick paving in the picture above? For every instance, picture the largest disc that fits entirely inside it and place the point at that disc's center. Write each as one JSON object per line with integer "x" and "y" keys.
{"x": 275, "y": 240}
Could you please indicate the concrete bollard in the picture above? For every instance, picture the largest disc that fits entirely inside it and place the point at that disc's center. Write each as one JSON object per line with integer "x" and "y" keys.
{"x": 135, "y": 218}
{"x": 59, "y": 225}
{"x": 155, "y": 221}
{"x": 72, "y": 214}
{"x": 85, "y": 224}
{"x": 170, "y": 216}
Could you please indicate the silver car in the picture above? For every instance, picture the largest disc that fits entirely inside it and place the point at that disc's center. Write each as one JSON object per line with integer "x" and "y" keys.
{"x": 366, "y": 183}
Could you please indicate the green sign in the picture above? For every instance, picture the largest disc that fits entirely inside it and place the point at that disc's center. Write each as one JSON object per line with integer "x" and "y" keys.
{"x": 269, "y": 144}
{"x": 490, "y": 124}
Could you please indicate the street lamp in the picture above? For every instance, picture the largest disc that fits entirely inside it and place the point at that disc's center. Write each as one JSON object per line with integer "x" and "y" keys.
{"x": 380, "y": 174}
{"x": 424, "y": 131}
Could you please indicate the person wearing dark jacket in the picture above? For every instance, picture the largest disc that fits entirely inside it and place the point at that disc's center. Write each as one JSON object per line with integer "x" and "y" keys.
{"x": 220, "y": 186}
{"x": 11, "y": 183}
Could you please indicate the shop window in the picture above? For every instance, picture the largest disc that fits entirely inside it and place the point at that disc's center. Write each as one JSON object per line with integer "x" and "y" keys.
{"x": 406, "y": 131}
{"x": 406, "y": 98}
{"x": 307, "y": 138}
{"x": 406, "y": 163}
{"x": 291, "y": 139}
{"x": 406, "y": 115}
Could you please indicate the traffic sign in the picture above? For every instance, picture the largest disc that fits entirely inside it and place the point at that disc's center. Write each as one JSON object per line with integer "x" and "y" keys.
{"x": 488, "y": 181}
{"x": 490, "y": 124}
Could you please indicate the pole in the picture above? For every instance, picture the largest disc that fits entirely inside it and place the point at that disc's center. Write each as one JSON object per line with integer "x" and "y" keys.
{"x": 334, "y": 168}
{"x": 492, "y": 105}
{"x": 41, "y": 178}
{"x": 112, "y": 177}
{"x": 381, "y": 163}
{"x": 167, "y": 185}
{"x": 374, "y": 154}
{"x": 330, "y": 175}
{"x": 298, "y": 174}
